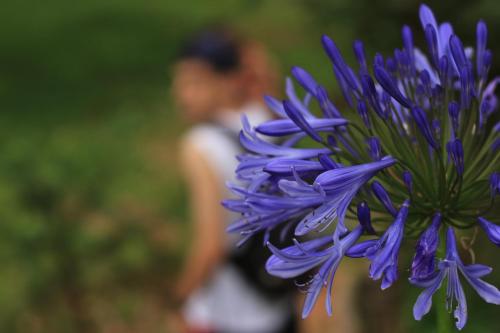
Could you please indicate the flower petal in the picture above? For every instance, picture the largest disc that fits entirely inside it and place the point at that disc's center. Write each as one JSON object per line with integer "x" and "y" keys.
{"x": 487, "y": 291}
{"x": 424, "y": 300}
{"x": 492, "y": 230}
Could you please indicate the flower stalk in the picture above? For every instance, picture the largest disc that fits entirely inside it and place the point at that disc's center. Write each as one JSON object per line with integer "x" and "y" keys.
{"x": 444, "y": 320}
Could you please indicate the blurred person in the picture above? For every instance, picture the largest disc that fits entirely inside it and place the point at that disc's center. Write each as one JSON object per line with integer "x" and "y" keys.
{"x": 223, "y": 288}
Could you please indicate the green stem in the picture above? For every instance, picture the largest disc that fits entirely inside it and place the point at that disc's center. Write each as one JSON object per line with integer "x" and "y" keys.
{"x": 443, "y": 317}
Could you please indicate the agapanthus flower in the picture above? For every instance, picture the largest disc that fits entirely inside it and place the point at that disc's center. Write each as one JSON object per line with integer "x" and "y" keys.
{"x": 448, "y": 268}
{"x": 424, "y": 261}
{"x": 296, "y": 260}
{"x": 414, "y": 156}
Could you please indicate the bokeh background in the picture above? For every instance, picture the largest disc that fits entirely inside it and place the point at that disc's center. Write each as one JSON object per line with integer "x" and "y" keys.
{"x": 93, "y": 211}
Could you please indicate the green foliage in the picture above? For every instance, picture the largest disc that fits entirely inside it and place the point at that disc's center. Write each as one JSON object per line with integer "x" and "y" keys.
{"x": 82, "y": 214}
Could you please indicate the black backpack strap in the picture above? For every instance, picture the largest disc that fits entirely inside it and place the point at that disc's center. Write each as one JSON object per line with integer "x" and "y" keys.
{"x": 251, "y": 257}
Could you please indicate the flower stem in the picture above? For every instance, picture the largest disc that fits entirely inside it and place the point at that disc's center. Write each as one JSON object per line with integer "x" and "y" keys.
{"x": 444, "y": 320}
{"x": 443, "y": 317}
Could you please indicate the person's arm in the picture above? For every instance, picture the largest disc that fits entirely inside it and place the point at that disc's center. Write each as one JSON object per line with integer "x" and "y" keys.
{"x": 207, "y": 216}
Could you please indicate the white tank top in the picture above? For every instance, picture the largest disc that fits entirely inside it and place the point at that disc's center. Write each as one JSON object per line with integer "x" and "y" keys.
{"x": 227, "y": 302}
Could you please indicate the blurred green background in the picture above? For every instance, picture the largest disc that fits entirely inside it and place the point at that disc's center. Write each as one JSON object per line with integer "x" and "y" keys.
{"x": 92, "y": 209}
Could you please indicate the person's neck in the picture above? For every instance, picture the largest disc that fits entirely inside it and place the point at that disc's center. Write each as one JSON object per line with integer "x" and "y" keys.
{"x": 231, "y": 117}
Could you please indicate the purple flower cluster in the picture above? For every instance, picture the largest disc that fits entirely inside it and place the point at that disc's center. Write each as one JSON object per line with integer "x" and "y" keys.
{"x": 414, "y": 158}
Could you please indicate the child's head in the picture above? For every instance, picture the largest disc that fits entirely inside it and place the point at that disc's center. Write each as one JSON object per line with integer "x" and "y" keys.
{"x": 217, "y": 71}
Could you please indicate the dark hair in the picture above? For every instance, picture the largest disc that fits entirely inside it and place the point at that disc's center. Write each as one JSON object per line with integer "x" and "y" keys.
{"x": 217, "y": 47}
